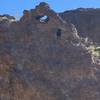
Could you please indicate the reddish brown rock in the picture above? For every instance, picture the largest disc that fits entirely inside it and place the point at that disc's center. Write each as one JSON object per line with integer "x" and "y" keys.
{"x": 38, "y": 60}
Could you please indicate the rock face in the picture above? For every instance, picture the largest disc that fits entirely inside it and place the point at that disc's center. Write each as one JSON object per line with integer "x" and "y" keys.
{"x": 40, "y": 59}
{"x": 5, "y": 21}
{"x": 87, "y": 22}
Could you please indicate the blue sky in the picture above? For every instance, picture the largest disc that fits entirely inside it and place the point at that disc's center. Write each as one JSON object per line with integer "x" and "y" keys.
{"x": 16, "y": 7}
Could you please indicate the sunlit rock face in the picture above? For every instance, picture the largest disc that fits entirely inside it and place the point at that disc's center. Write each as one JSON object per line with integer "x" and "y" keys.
{"x": 87, "y": 22}
{"x": 38, "y": 60}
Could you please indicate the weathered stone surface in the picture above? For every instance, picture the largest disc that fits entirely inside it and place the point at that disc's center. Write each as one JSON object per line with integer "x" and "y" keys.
{"x": 38, "y": 64}
{"x": 87, "y": 22}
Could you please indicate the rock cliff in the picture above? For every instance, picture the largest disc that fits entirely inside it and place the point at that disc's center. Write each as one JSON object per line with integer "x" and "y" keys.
{"x": 42, "y": 57}
{"x": 86, "y": 20}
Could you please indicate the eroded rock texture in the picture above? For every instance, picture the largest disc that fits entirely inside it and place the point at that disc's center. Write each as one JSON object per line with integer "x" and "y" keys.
{"x": 87, "y": 22}
{"x": 38, "y": 60}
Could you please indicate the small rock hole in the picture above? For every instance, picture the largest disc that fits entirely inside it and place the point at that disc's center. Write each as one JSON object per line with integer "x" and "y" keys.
{"x": 43, "y": 19}
{"x": 58, "y": 34}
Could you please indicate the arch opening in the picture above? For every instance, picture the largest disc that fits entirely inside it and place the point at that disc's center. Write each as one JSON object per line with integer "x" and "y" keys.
{"x": 43, "y": 18}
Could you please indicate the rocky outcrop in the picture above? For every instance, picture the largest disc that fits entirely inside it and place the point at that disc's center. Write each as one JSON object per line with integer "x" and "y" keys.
{"x": 5, "y": 21}
{"x": 40, "y": 59}
{"x": 86, "y": 21}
